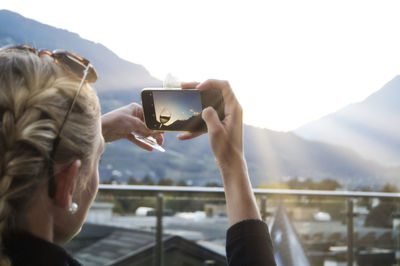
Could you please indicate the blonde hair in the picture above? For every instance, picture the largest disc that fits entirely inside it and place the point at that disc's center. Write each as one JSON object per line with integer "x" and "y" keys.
{"x": 35, "y": 95}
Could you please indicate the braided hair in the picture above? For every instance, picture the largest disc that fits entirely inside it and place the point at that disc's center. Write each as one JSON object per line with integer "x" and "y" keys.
{"x": 35, "y": 94}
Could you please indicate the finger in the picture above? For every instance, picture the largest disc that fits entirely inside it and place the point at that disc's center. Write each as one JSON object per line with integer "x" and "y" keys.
{"x": 159, "y": 138}
{"x": 189, "y": 135}
{"x": 211, "y": 118}
{"x": 138, "y": 126}
{"x": 230, "y": 101}
{"x": 189, "y": 85}
{"x": 223, "y": 85}
{"x": 137, "y": 111}
{"x": 139, "y": 143}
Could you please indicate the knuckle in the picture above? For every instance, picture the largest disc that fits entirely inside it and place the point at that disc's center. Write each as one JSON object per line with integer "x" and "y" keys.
{"x": 145, "y": 133}
{"x": 216, "y": 130}
{"x": 135, "y": 106}
{"x": 239, "y": 108}
{"x": 225, "y": 83}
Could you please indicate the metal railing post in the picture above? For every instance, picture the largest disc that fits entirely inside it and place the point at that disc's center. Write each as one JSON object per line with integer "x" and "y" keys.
{"x": 395, "y": 217}
{"x": 350, "y": 232}
{"x": 158, "y": 258}
{"x": 264, "y": 208}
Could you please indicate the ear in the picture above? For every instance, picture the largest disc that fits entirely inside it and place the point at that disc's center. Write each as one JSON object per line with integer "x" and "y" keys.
{"x": 65, "y": 184}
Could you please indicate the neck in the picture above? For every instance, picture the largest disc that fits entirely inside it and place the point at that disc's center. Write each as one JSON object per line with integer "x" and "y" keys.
{"x": 36, "y": 217}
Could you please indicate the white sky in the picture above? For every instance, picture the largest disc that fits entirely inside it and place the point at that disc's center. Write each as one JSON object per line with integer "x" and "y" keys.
{"x": 289, "y": 62}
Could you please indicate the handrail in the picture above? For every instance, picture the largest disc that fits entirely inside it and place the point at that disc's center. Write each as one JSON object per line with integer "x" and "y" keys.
{"x": 219, "y": 191}
{"x": 187, "y": 191}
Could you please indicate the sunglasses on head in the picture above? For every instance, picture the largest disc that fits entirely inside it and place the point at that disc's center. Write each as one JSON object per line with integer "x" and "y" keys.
{"x": 77, "y": 65}
{"x": 73, "y": 62}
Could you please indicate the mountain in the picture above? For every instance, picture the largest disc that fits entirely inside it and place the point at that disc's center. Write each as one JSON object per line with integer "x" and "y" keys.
{"x": 271, "y": 156}
{"x": 194, "y": 123}
{"x": 371, "y": 127}
{"x": 114, "y": 72}
{"x": 277, "y": 154}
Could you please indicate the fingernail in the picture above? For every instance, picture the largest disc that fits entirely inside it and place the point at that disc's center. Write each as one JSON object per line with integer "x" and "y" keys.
{"x": 205, "y": 111}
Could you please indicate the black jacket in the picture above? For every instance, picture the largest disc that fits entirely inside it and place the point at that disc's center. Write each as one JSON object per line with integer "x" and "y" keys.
{"x": 25, "y": 249}
{"x": 247, "y": 244}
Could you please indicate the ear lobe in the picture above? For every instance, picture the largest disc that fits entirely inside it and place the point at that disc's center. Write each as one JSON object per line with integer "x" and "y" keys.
{"x": 65, "y": 184}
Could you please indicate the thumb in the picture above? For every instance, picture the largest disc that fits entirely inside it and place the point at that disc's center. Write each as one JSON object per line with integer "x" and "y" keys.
{"x": 211, "y": 118}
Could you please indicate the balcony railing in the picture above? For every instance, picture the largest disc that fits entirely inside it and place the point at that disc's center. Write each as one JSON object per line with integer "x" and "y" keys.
{"x": 219, "y": 191}
{"x": 269, "y": 200}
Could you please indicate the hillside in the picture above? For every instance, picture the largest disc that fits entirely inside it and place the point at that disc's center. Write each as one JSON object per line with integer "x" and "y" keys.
{"x": 114, "y": 72}
{"x": 370, "y": 127}
{"x": 271, "y": 156}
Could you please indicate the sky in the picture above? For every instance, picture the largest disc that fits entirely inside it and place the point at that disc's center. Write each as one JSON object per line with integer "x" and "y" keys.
{"x": 177, "y": 106}
{"x": 289, "y": 62}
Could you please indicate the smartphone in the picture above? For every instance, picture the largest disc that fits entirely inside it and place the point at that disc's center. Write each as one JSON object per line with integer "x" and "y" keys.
{"x": 179, "y": 110}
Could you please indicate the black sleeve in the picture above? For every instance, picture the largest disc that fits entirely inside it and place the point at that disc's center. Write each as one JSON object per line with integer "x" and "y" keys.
{"x": 249, "y": 243}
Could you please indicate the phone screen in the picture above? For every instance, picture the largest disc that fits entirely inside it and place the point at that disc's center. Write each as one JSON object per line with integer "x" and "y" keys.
{"x": 176, "y": 108}
{"x": 179, "y": 110}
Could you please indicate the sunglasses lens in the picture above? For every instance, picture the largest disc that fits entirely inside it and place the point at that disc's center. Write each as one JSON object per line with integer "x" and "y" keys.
{"x": 76, "y": 64}
{"x": 45, "y": 52}
{"x": 76, "y": 59}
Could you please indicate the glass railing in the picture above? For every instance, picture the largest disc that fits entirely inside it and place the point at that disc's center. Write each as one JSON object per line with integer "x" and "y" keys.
{"x": 167, "y": 225}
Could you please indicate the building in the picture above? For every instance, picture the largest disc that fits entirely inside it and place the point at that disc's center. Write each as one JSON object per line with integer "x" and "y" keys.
{"x": 107, "y": 245}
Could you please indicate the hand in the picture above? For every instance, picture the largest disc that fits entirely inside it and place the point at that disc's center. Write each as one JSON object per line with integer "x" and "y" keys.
{"x": 122, "y": 122}
{"x": 226, "y": 140}
{"x": 226, "y": 137}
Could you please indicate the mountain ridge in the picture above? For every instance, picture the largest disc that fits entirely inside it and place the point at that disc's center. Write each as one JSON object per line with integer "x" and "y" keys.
{"x": 271, "y": 156}
{"x": 369, "y": 127}
{"x": 113, "y": 71}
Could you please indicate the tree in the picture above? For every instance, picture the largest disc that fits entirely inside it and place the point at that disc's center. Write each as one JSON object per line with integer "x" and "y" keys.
{"x": 133, "y": 181}
{"x": 111, "y": 180}
{"x": 165, "y": 182}
{"x": 295, "y": 183}
{"x": 328, "y": 184}
{"x": 181, "y": 183}
{"x": 147, "y": 181}
{"x": 389, "y": 188}
{"x": 213, "y": 184}
{"x": 274, "y": 185}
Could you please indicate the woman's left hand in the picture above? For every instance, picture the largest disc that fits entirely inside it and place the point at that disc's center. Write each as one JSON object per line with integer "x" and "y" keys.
{"x": 122, "y": 122}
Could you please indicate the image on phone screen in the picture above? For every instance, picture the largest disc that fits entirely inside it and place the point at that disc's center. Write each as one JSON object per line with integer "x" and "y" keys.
{"x": 177, "y": 110}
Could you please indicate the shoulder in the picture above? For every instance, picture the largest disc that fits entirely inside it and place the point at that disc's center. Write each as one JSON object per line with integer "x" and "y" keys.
{"x": 26, "y": 249}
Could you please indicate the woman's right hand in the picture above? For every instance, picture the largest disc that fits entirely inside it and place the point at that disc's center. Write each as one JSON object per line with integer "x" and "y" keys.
{"x": 226, "y": 137}
{"x": 226, "y": 140}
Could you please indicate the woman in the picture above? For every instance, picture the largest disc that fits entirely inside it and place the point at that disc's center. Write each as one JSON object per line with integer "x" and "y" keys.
{"x": 51, "y": 138}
